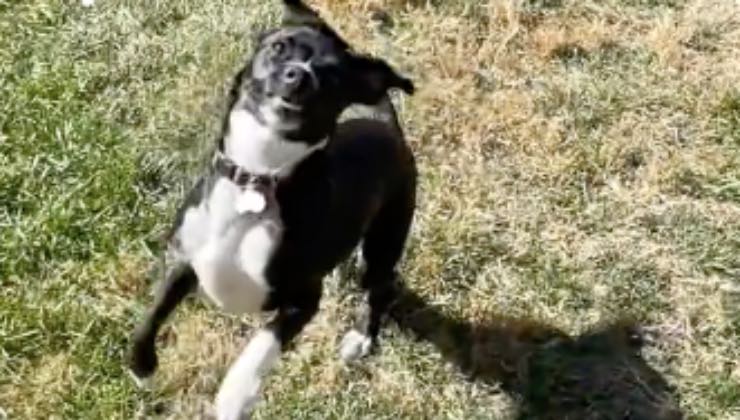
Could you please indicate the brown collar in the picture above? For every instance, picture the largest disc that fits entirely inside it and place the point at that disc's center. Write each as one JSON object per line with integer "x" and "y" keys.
{"x": 238, "y": 175}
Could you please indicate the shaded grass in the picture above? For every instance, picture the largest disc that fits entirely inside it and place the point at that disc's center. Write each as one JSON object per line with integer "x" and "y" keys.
{"x": 579, "y": 165}
{"x": 593, "y": 375}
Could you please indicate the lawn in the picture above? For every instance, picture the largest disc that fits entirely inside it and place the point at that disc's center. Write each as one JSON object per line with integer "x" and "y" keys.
{"x": 575, "y": 254}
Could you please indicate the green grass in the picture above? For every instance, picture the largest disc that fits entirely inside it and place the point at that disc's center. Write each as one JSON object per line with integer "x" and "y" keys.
{"x": 580, "y": 177}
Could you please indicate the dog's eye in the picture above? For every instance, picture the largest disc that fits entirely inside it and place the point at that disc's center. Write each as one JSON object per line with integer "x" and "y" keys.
{"x": 278, "y": 47}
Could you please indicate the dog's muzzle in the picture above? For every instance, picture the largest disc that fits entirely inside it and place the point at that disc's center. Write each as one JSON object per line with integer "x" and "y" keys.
{"x": 295, "y": 81}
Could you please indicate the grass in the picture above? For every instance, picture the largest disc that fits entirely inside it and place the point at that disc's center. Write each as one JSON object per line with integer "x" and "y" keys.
{"x": 579, "y": 200}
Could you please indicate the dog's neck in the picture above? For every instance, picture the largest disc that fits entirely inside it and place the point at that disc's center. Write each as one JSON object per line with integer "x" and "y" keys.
{"x": 261, "y": 150}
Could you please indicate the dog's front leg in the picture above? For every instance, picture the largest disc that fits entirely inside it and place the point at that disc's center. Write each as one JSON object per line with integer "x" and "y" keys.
{"x": 180, "y": 281}
{"x": 240, "y": 389}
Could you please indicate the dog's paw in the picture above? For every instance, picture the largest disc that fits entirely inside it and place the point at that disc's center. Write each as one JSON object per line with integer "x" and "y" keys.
{"x": 144, "y": 383}
{"x": 142, "y": 361}
{"x": 354, "y": 345}
{"x": 234, "y": 406}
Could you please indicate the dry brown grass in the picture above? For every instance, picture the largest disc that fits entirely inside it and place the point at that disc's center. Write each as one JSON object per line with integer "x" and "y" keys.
{"x": 51, "y": 379}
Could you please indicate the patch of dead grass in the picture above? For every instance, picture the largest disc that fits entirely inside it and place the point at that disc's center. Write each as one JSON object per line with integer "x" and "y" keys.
{"x": 42, "y": 389}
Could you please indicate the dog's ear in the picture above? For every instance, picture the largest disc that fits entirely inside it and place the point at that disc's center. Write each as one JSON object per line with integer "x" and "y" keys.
{"x": 295, "y": 12}
{"x": 371, "y": 78}
{"x": 259, "y": 37}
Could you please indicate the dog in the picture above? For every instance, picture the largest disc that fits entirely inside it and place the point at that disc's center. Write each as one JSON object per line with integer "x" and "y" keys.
{"x": 290, "y": 194}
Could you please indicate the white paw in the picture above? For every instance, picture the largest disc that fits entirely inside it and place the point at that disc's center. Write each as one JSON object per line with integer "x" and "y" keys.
{"x": 354, "y": 345}
{"x": 141, "y": 383}
{"x": 234, "y": 406}
{"x": 240, "y": 388}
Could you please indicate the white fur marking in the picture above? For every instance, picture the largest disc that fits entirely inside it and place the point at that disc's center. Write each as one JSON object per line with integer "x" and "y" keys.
{"x": 141, "y": 383}
{"x": 258, "y": 149}
{"x": 229, "y": 252}
{"x": 240, "y": 388}
{"x": 271, "y": 117}
{"x": 354, "y": 345}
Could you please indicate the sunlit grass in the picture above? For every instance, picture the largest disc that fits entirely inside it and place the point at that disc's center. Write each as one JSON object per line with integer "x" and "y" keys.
{"x": 580, "y": 163}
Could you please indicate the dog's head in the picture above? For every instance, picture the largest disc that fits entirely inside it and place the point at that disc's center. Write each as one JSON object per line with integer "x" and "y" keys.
{"x": 303, "y": 75}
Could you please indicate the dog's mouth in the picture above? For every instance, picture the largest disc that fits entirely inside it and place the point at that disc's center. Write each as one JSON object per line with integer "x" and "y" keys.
{"x": 281, "y": 103}
{"x": 279, "y": 112}
{"x": 289, "y": 86}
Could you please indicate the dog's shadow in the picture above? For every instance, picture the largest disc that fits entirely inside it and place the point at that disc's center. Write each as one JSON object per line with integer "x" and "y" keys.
{"x": 597, "y": 375}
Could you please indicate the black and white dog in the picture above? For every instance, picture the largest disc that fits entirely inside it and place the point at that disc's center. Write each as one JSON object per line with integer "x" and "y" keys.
{"x": 290, "y": 194}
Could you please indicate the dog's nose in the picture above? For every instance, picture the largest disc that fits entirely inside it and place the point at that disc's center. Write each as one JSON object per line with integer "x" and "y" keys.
{"x": 292, "y": 77}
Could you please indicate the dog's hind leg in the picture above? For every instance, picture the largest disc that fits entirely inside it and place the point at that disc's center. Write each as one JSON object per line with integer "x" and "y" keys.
{"x": 240, "y": 388}
{"x": 382, "y": 248}
{"x": 179, "y": 282}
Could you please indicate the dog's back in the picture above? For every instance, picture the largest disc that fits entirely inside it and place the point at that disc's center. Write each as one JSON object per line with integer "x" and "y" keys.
{"x": 372, "y": 138}
{"x": 347, "y": 192}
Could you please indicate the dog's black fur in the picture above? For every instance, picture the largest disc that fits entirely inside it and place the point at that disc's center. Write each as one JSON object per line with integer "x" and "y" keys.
{"x": 360, "y": 188}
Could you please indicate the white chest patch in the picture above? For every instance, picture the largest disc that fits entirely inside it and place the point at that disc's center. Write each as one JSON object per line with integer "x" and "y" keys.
{"x": 230, "y": 237}
{"x": 251, "y": 201}
{"x": 257, "y": 148}
{"x": 229, "y": 251}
